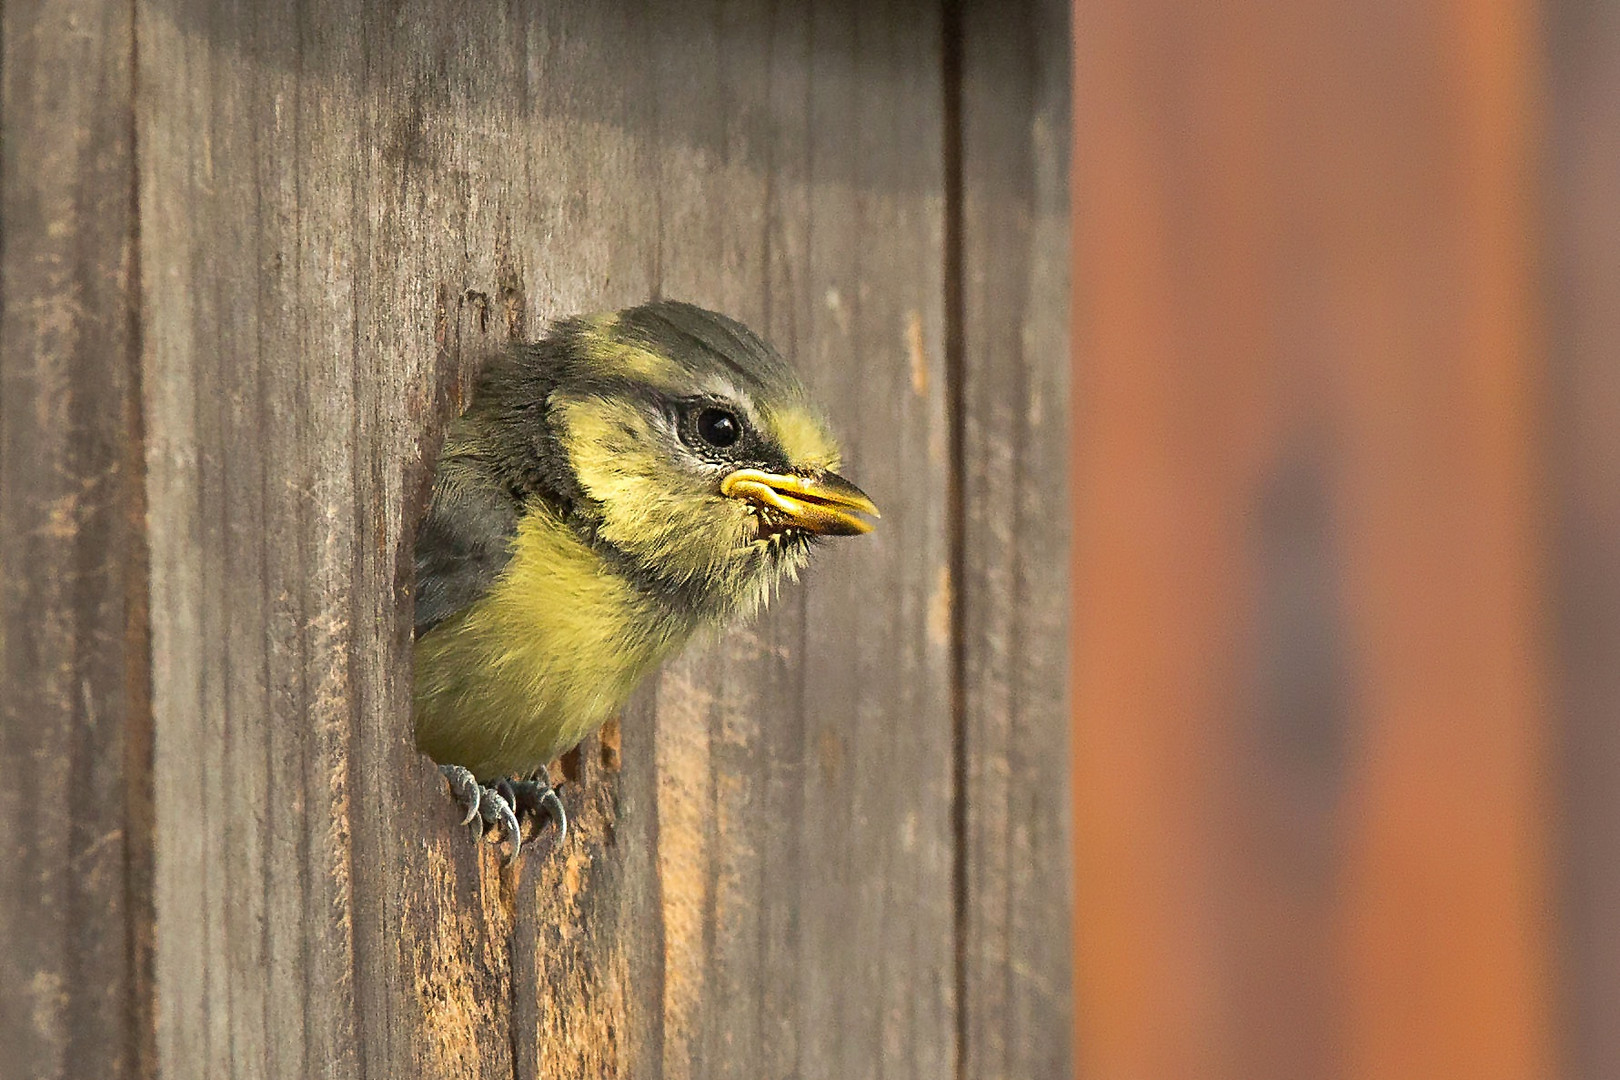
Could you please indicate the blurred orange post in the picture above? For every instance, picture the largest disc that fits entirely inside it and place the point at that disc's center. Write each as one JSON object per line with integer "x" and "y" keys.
{"x": 1310, "y": 660}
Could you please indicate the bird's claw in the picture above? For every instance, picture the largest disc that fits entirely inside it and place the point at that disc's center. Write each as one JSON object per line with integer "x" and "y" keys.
{"x": 552, "y": 804}
{"x": 494, "y": 808}
{"x": 465, "y": 788}
{"x": 503, "y": 804}
{"x": 478, "y": 801}
{"x": 539, "y": 799}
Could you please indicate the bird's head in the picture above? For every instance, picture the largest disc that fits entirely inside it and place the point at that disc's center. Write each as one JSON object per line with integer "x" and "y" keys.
{"x": 684, "y": 446}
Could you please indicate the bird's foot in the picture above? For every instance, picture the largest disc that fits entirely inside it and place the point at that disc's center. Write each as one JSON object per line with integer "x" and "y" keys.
{"x": 486, "y": 803}
{"x": 503, "y": 805}
{"x": 537, "y": 801}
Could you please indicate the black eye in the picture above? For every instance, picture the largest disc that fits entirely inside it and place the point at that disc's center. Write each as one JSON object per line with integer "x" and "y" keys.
{"x": 717, "y": 427}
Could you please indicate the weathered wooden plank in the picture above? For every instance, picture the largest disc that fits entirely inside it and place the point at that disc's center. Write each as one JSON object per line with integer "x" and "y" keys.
{"x": 875, "y": 911}
{"x": 1012, "y": 596}
{"x": 804, "y": 762}
{"x": 517, "y": 174}
{"x": 1584, "y": 332}
{"x": 1310, "y": 682}
{"x": 316, "y": 914}
{"x": 808, "y": 925}
{"x": 75, "y": 710}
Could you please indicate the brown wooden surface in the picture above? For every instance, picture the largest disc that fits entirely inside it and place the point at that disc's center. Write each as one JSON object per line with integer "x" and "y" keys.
{"x": 314, "y": 913}
{"x": 1584, "y": 336}
{"x": 334, "y": 211}
{"x": 1312, "y": 750}
{"x": 75, "y": 811}
{"x": 1013, "y": 625}
{"x": 803, "y": 764}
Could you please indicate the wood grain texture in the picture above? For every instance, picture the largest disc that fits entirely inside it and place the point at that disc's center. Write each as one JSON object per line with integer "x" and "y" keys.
{"x": 805, "y": 849}
{"x": 1584, "y": 432}
{"x": 317, "y": 913}
{"x": 341, "y": 210}
{"x": 1311, "y": 684}
{"x": 75, "y": 713}
{"x": 240, "y": 305}
{"x": 1012, "y": 596}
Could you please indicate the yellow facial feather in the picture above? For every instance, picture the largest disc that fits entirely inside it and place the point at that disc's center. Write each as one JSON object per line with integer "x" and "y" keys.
{"x": 605, "y": 349}
{"x": 651, "y": 509}
{"x": 804, "y": 437}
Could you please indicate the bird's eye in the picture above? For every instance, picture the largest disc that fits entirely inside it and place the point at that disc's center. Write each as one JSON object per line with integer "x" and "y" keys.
{"x": 717, "y": 427}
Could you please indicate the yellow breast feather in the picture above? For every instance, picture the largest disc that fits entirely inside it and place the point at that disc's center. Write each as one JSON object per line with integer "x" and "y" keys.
{"x": 555, "y": 646}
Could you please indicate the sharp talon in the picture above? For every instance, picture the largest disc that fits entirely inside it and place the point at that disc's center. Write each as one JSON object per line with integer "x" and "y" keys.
{"x": 495, "y": 810}
{"x": 537, "y": 801}
{"x": 551, "y": 803}
{"x": 464, "y": 788}
{"x": 507, "y": 803}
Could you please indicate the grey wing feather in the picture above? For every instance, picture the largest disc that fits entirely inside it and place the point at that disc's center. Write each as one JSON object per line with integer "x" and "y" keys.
{"x": 465, "y": 540}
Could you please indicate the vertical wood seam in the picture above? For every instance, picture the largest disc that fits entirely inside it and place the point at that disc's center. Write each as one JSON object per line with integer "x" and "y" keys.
{"x": 955, "y": 500}
{"x": 140, "y": 808}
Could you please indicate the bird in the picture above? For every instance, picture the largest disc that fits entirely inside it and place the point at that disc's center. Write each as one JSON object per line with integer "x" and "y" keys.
{"x": 629, "y": 479}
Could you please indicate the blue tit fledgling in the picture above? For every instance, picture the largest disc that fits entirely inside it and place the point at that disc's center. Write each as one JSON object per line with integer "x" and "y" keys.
{"x": 610, "y": 490}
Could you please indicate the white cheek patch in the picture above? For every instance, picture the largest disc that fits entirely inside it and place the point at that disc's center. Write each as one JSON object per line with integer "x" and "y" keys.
{"x": 663, "y": 425}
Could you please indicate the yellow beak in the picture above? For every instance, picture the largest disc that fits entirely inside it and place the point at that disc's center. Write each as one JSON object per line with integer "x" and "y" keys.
{"x": 820, "y": 503}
